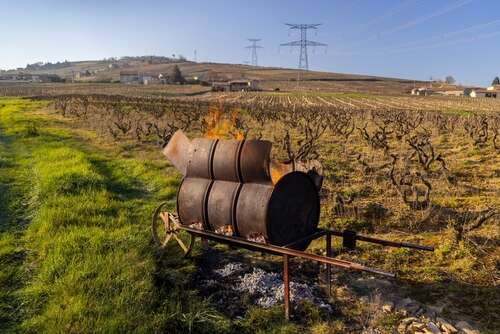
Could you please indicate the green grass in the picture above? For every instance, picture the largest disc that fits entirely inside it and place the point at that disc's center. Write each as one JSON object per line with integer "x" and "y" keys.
{"x": 75, "y": 248}
{"x": 85, "y": 262}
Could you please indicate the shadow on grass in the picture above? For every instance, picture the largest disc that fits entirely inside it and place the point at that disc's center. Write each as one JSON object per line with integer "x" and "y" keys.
{"x": 12, "y": 256}
{"x": 120, "y": 185}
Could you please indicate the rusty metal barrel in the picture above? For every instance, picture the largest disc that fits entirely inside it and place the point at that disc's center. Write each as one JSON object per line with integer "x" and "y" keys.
{"x": 221, "y": 206}
{"x": 278, "y": 214}
{"x": 230, "y": 160}
{"x": 282, "y": 214}
{"x": 227, "y": 189}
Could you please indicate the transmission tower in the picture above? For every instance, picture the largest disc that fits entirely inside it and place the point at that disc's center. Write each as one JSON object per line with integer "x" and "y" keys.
{"x": 303, "y": 42}
{"x": 254, "y": 48}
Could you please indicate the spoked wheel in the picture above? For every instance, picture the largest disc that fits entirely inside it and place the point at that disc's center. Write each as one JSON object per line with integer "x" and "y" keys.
{"x": 165, "y": 227}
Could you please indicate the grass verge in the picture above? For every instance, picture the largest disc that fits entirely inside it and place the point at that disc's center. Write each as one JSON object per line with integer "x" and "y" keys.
{"x": 87, "y": 263}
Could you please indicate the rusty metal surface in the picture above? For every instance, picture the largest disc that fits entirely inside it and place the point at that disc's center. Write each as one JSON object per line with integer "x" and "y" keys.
{"x": 328, "y": 245}
{"x": 191, "y": 201}
{"x": 226, "y": 160}
{"x": 200, "y": 158}
{"x": 255, "y": 161}
{"x": 383, "y": 242}
{"x": 230, "y": 160}
{"x": 251, "y": 210}
{"x": 221, "y": 205}
{"x": 293, "y": 210}
{"x": 276, "y": 250}
{"x": 286, "y": 286}
{"x": 280, "y": 215}
{"x": 178, "y": 150}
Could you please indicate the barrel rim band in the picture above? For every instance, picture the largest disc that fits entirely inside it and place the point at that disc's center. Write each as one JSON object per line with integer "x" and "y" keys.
{"x": 204, "y": 206}
{"x": 234, "y": 221}
{"x": 239, "y": 172}
{"x": 211, "y": 156}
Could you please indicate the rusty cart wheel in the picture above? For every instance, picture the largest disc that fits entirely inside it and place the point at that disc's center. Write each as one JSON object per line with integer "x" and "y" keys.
{"x": 164, "y": 228}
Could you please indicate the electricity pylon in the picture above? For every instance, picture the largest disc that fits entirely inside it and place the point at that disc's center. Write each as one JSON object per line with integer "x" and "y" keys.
{"x": 303, "y": 43}
{"x": 254, "y": 48}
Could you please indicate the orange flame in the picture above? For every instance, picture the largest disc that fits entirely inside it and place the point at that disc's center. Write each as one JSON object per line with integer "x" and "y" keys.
{"x": 278, "y": 170}
{"x": 219, "y": 126}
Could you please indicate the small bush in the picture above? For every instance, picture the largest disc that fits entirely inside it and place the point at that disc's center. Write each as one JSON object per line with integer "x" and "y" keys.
{"x": 374, "y": 211}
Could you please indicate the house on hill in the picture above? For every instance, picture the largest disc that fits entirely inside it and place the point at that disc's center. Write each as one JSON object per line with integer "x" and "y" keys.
{"x": 235, "y": 86}
{"x": 134, "y": 77}
{"x": 35, "y": 78}
{"x": 422, "y": 91}
{"x": 129, "y": 77}
{"x": 481, "y": 92}
{"x": 457, "y": 93}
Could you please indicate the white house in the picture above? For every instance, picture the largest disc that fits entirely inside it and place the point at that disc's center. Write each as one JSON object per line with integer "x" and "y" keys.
{"x": 484, "y": 93}
{"x": 423, "y": 91}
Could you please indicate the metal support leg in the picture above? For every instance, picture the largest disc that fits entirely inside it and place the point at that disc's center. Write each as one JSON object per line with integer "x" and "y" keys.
{"x": 328, "y": 266}
{"x": 286, "y": 287}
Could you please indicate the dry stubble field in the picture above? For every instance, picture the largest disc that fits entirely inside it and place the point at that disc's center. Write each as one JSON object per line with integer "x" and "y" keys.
{"x": 424, "y": 170}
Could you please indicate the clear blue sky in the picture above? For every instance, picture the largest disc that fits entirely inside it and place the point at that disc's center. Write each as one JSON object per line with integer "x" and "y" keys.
{"x": 413, "y": 39}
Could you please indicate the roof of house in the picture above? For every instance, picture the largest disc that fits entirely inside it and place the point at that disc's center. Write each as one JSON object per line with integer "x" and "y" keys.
{"x": 245, "y": 82}
{"x": 142, "y": 74}
{"x": 129, "y": 73}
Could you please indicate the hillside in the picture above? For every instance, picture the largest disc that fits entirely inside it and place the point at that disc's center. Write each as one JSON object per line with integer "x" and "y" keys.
{"x": 270, "y": 77}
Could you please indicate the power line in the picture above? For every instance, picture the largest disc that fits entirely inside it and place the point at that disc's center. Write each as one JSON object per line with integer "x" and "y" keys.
{"x": 431, "y": 41}
{"x": 389, "y": 13}
{"x": 303, "y": 42}
{"x": 254, "y": 48}
{"x": 427, "y": 17}
{"x": 423, "y": 46}
{"x": 417, "y": 21}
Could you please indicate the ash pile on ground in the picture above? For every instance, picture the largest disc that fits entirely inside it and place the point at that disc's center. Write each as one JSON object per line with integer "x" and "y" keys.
{"x": 235, "y": 285}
